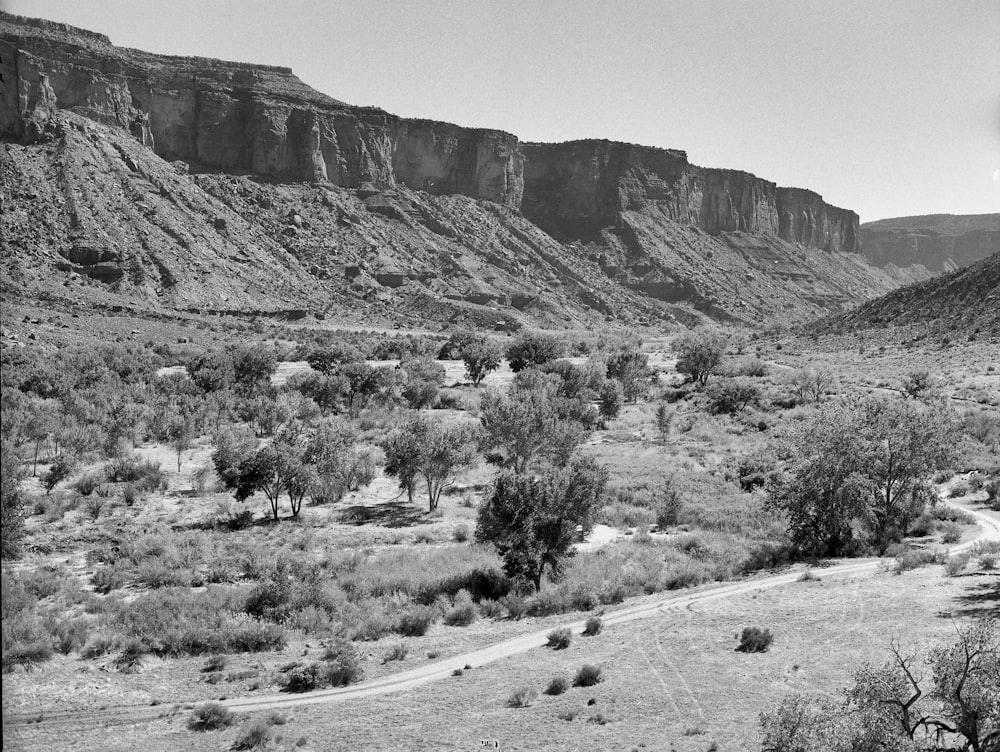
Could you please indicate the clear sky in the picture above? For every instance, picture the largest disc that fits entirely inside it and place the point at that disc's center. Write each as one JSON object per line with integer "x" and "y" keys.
{"x": 887, "y": 107}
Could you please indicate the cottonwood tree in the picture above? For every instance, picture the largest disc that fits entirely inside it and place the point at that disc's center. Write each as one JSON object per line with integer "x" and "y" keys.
{"x": 422, "y": 380}
{"x": 631, "y": 369}
{"x": 433, "y": 450}
{"x": 532, "y": 521}
{"x": 699, "y": 353}
{"x": 534, "y": 349}
{"x": 895, "y": 707}
{"x": 524, "y": 424}
{"x": 860, "y": 462}
{"x": 11, "y": 502}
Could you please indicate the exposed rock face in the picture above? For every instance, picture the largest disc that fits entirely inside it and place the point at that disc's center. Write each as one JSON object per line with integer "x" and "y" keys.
{"x": 940, "y": 242}
{"x": 576, "y": 189}
{"x": 242, "y": 118}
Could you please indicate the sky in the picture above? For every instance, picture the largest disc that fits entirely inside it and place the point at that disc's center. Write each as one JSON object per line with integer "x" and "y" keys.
{"x": 887, "y": 107}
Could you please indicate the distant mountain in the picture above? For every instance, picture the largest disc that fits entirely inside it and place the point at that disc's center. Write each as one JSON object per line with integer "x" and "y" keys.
{"x": 958, "y": 304}
{"x": 940, "y": 242}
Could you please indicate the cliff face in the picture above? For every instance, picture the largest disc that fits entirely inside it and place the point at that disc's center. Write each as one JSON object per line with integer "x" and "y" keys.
{"x": 576, "y": 189}
{"x": 940, "y": 242}
{"x": 242, "y": 118}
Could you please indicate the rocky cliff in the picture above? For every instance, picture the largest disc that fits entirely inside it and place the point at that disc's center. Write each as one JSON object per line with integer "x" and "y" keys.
{"x": 576, "y": 189}
{"x": 234, "y": 117}
{"x": 198, "y": 183}
{"x": 939, "y": 242}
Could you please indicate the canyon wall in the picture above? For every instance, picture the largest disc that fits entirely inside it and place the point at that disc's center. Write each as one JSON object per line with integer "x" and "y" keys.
{"x": 240, "y": 118}
{"x": 234, "y": 117}
{"x": 575, "y": 189}
{"x": 940, "y": 242}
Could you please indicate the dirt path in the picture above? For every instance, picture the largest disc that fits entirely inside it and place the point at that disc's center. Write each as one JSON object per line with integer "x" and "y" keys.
{"x": 989, "y": 531}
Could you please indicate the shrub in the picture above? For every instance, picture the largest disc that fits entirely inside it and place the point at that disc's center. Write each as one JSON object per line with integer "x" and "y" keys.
{"x": 210, "y": 716}
{"x": 955, "y": 565}
{"x": 951, "y": 532}
{"x": 396, "y": 653}
{"x": 67, "y": 634}
{"x": 87, "y": 484}
{"x": 593, "y": 626}
{"x": 343, "y": 666}
{"x": 587, "y": 676}
{"x": 63, "y": 467}
{"x": 533, "y": 349}
{"x": 516, "y": 605}
{"x": 463, "y": 612}
{"x": 732, "y": 396}
{"x": 215, "y": 663}
{"x": 254, "y": 735}
{"x": 557, "y": 685}
{"x": 416, "y": 621}
{"x": 560, "y": 639}
{"x": 522, "y": 698}
{"x": 754, "y": 640}
{"x": 27, "y": 655}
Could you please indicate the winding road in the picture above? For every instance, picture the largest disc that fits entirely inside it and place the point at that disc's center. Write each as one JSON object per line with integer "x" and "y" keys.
{"x": 989, "y": 524}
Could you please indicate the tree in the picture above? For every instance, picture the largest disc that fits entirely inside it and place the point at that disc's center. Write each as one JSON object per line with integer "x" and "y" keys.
{"x": 920, "y": 385}
{"x": 699, "y": 352}
{"x": 232, "y": 449}
{"x": 423, "y": 378}
{"x": 329, "y": 358}
{"x": 330, "y": 450}
{"x": 532, "y": 521}
{"x": 433, "y": 450}
{"x": 732, "y": 396}
{"x": 362, "y": 383}
{"x": 891, "y": 707}
{"x": 534, "y": 349}
{"x": 610, "y": 399}
{"x": 811, "y": 384}
{"x": 631, "y": 369}
{"x": 253, "y": 366}
{"x": 180, "y": 432}
{"x": 523, "y": 424}
{"x": 213, "y": 370}
{"x": 481, "y": 357}
{"x": 61, "y": 469}
{"x": 858, "y": 463}
{"x": 11, "y": 502}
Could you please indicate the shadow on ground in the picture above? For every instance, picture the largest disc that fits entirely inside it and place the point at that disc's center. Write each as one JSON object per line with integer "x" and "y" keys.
{"x": 980, "y": 600}
{"x": 390, "y": 514}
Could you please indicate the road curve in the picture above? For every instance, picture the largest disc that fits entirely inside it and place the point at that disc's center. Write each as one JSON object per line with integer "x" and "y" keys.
{"x": 990, "y": 531}
{"x": 126, "y": 715}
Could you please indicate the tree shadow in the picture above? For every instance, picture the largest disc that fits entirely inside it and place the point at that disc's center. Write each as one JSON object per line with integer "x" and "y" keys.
{"x": 387, "y": 514}
{"x": 979, "y": 599}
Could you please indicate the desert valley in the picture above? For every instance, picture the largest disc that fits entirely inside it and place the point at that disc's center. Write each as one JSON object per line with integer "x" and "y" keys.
{"x": 330, "y": 429}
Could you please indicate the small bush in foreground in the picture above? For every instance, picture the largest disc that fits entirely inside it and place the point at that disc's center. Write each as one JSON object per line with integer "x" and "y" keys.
{"x": 27, "y": 655}
{"x": 210, "y": 717}
{"x": 755, "y": 640}
{"x": 593, "y": 626}
{"x": 956, "y": 565}
{"x": 254, "y": 735}
{"x": 522, "y": 698}
{"x": 560, "y": 639}
{"x": 396, "y": 653}
{"x": 463, "y": 612}
{"x": 557, "y": 685}
{"x": 587, "y": 676}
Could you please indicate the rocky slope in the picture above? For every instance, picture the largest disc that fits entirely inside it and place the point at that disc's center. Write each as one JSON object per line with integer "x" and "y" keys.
{"x": 199, "y": 183}
{"x": 963, "y": 304}
{"x": 940, "y": 242}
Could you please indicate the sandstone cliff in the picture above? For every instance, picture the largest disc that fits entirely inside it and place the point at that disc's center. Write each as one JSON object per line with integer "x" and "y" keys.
{"x": 206, "y": 184}
{"x": 235, "y": 117}
{"x": 575, "y": 189}
{"x": 939, "y": 242}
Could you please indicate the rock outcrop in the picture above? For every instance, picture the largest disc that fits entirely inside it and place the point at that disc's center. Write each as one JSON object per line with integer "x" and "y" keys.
{"x": 578, "y": 188}
{"x": 939, "y": 242}
{"x": 235, "y": 117}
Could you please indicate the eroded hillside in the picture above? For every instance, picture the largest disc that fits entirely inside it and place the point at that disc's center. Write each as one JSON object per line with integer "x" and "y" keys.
{"x": 194, "y": 183}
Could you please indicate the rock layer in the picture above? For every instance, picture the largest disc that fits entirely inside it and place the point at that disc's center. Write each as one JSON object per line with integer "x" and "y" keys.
{"x": 940, "y": 242}
{"x": 575, "y": 189}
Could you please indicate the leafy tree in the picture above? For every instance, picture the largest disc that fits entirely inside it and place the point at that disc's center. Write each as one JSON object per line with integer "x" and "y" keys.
{"x": 920, "y": 385}
{"x": 532, "y": 521}
{"x": 481, "y": 357}
{"x": 433, "y": 450}
{"x": 732, "y": 396}
{"x": 534, "y": 349}
{"x": 329, "y": 358}
{"x": 180, "y": 432}
{"x": 362, "y": 384}
{"x": 212, "y": 371}
{"x": 253, "y": 366}
{"x": 330, "y": 450}
{"x": 524, "y": 424}
{"x": 699, "y": 353}
{"x": 61, "y": 469}
{"x": 232, "y": 448}
{"x": 423, "y": 378}
{"x": 11, "y": 502}
{"x": 630, "y": 368}
{"x": 863, "y": 462}
{"x": 610, "y": 399}
{"x": 42, "y": 421}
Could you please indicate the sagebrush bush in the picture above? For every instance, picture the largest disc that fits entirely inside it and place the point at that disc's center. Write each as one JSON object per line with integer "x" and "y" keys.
{"x": 560, "y": 639}
{"x": 955, "y": 565}
{"x": 463, "y": 612}
{"x": 951, "y": 532}
{"x": 215, "y": 663}
{"x": 343, "y": 666}
{"x": 908, "y": 560}
{"x": 415, "y": 621}
{"x": 593, "y": 626}
{"x": 396, "y": 652}
{"x": 755, "y": 640}
{"x": 254, "y": 734}
{"x": 210, "y": 716}
{"x": 26, "y": 655}
{"x": 522, "y": 698}
{"x": 557, "y": 685}
{"x": 587, "y": 676}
